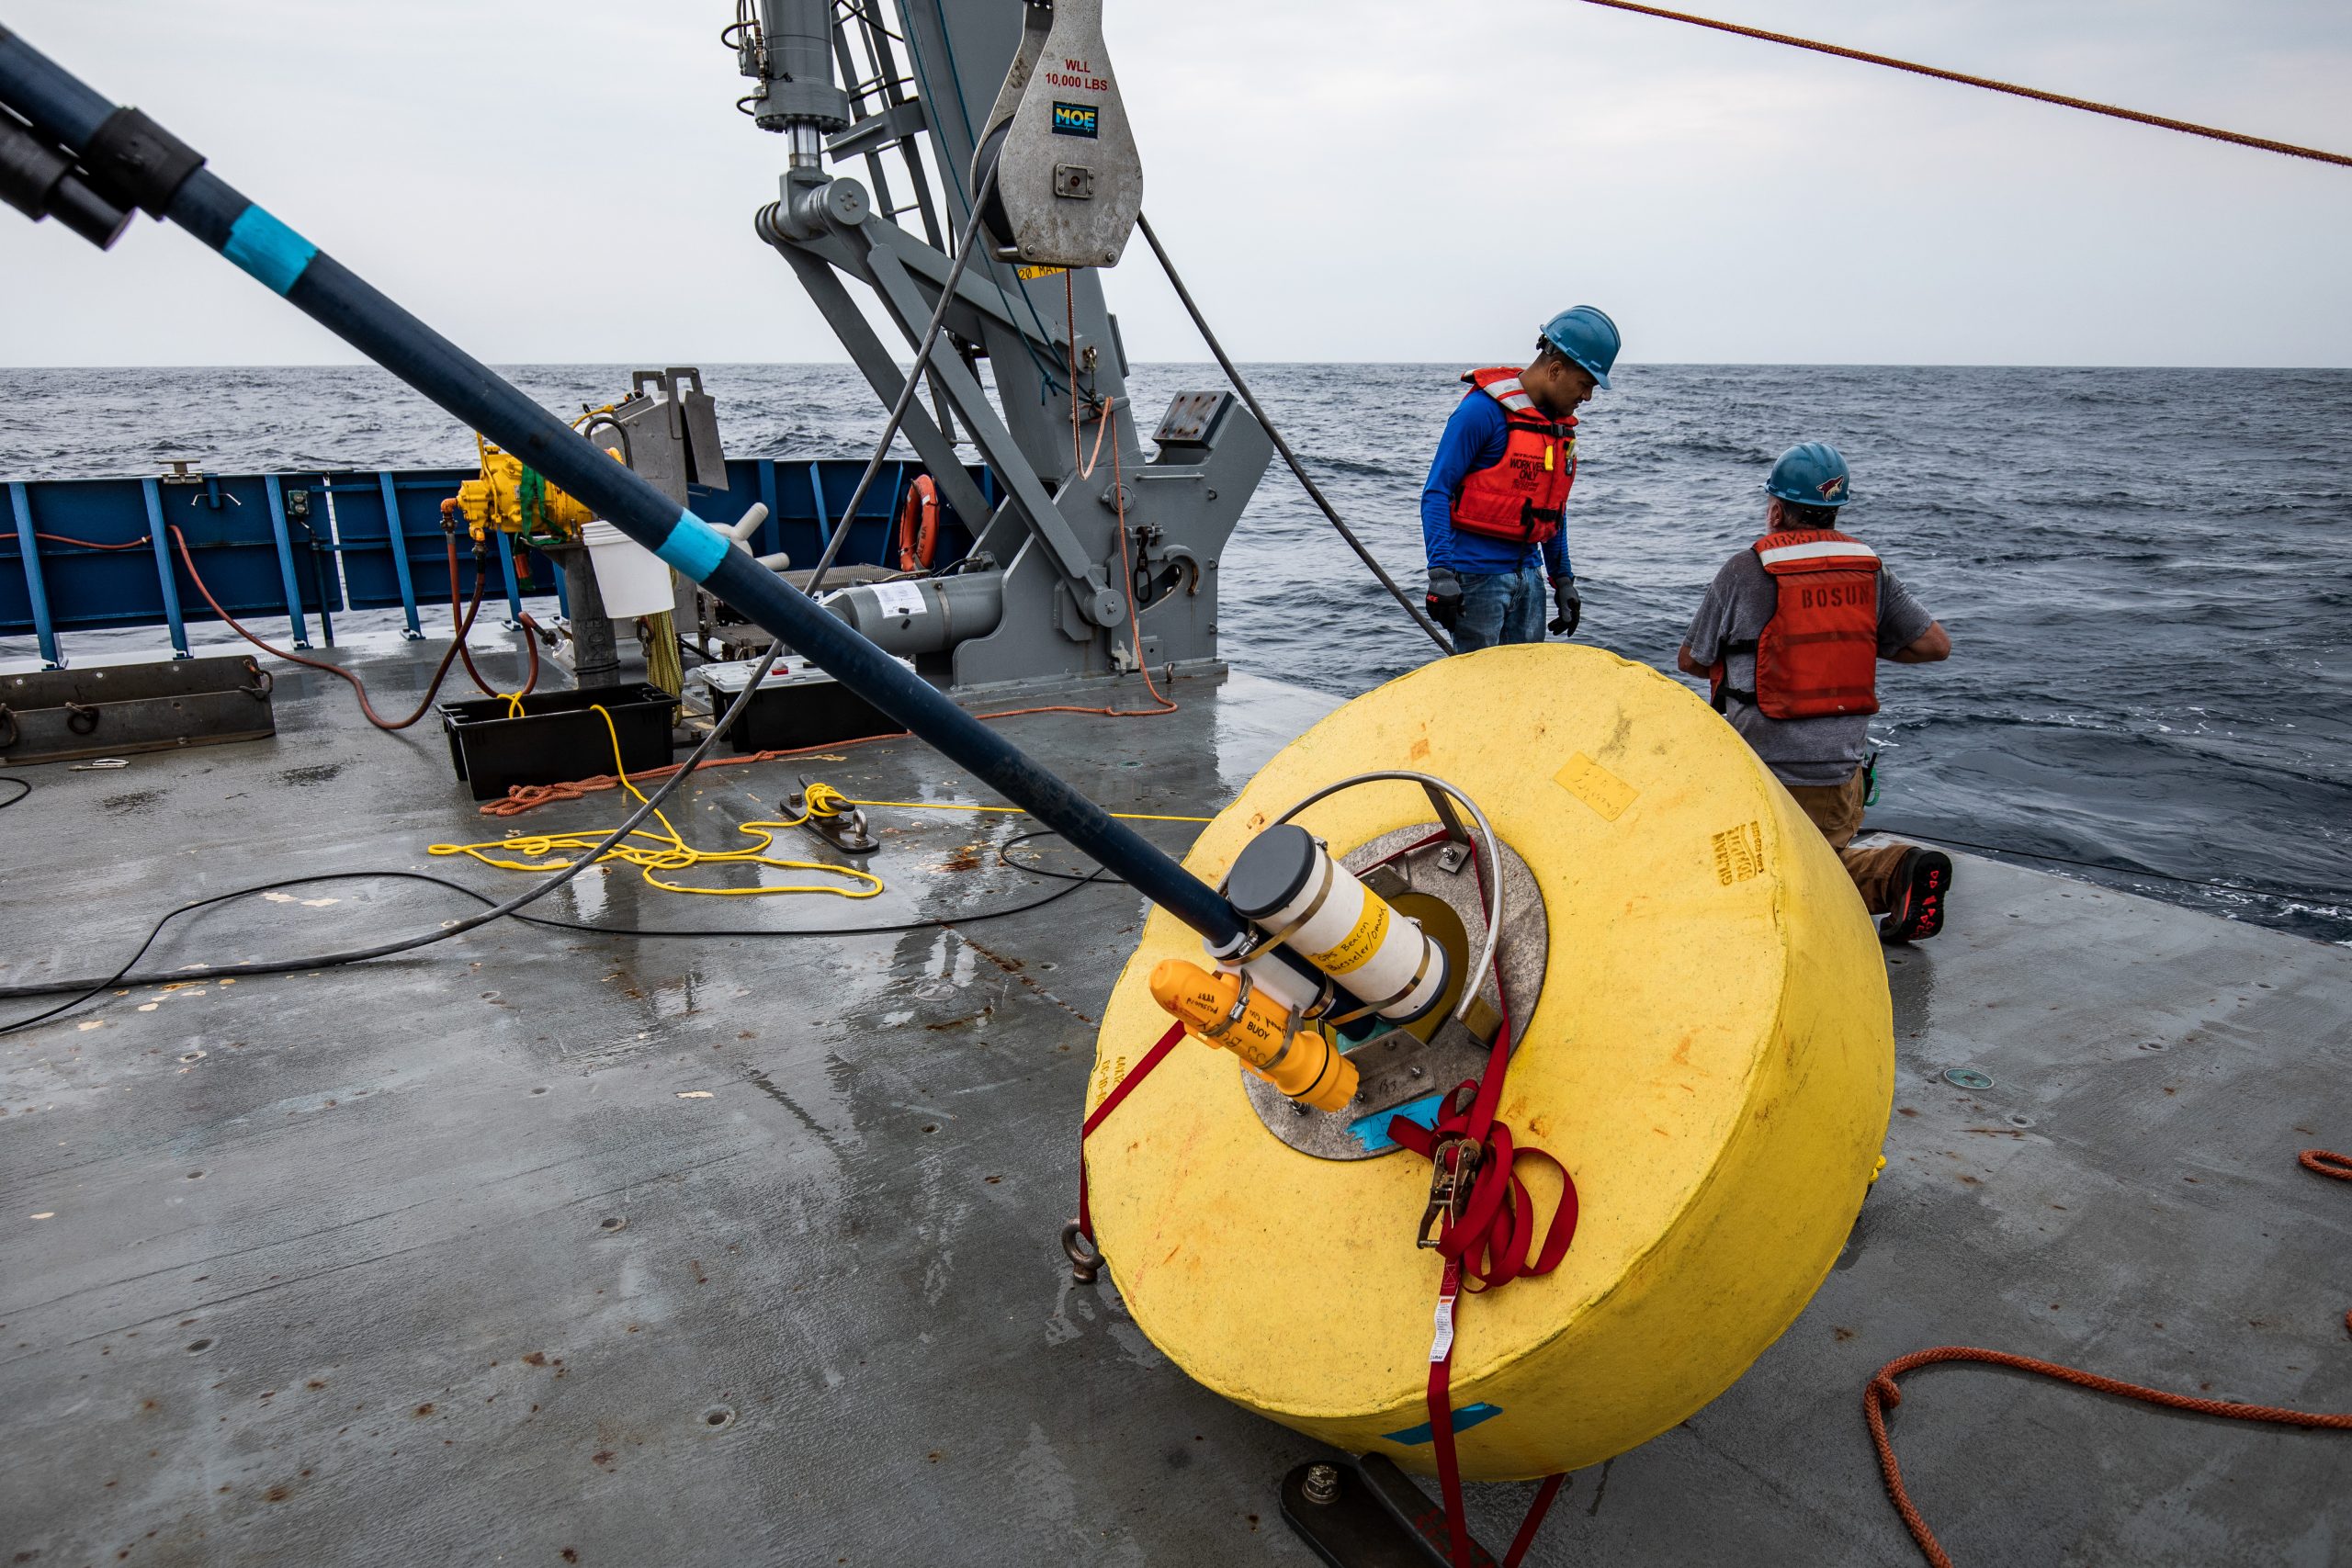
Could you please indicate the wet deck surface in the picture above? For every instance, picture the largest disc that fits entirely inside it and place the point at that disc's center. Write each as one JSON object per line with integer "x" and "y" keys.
{"x": 548, "y": 1247}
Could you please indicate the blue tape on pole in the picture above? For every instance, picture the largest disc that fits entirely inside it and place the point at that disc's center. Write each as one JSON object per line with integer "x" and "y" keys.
{"x": 267, "y": 249}
{"x": 694, "y": 546}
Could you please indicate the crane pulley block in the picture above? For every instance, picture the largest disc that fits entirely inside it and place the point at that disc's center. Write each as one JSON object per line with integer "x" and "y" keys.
{"x": 1069, "y": 180}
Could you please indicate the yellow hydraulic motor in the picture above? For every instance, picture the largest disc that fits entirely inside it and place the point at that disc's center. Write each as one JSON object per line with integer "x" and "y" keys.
{"x": 512, "y": 499}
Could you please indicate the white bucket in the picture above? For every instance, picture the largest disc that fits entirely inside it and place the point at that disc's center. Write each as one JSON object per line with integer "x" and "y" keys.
{"x": 632, "y": 578}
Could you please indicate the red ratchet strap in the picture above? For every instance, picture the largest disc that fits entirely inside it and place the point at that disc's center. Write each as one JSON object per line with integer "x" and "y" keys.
{"x": 1485, "y": 1234}
{"x": 1136, "y": 1075}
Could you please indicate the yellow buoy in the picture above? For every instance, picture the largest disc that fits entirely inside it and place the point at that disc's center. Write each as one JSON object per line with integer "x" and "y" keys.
{"x": 1710, "y": 1056}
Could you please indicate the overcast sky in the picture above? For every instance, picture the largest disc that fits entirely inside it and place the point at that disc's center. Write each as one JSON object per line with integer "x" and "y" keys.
{"x": 567, "y": 180}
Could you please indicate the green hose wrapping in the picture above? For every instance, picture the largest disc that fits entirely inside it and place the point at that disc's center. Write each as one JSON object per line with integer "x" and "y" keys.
{"x": 531, "y": 500}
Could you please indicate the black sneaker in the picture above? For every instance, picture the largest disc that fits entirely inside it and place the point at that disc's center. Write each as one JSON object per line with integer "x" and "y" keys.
{"x": 1922, "y": 879}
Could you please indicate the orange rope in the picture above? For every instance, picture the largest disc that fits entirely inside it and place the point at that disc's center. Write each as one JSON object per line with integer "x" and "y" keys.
{"x": 2319, "y": 1162}
{"x": 1084, "y": 464}
{"x": 520, "y": 798}
{"x": 1883, "y": 1394}
{"x": 1119, "y": 500}
{"x": 2134, "y": 116}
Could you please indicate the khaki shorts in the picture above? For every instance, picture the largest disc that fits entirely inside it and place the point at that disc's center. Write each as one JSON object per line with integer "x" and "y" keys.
{"x": 1836, "y": 810}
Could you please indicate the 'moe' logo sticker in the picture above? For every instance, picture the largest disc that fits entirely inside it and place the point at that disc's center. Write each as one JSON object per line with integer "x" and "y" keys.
{"x": 1075, "y": 120}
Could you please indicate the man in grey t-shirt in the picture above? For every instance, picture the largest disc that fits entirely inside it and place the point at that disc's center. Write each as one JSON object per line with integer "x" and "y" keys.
{"x": 1821, "y": 668}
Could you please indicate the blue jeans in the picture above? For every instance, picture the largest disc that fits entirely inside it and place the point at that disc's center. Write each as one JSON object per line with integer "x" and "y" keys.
{"x": 1504, "y": 606}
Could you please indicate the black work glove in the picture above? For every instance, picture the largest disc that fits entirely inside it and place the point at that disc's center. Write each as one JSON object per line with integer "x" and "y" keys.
{"x": 1445, "y": 597}
{"x": 1564, "y": 594}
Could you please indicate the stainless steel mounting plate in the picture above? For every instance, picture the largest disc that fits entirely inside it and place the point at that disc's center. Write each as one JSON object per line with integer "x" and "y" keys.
{"x": 1394, "y": 1067}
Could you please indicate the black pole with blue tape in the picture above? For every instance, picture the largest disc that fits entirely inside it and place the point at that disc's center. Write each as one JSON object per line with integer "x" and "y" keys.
{"x": 125, "y": 154}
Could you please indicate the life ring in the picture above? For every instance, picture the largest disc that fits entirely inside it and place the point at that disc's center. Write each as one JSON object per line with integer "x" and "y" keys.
{"x": 919, "y": 526}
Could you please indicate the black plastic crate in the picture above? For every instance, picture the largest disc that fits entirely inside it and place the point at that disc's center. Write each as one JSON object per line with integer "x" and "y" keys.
{"x": 558, "y": 737}
{"x": 790, "y": 711}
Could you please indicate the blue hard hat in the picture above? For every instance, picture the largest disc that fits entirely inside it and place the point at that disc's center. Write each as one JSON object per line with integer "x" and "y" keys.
{"x": 1587, "y": 336}
{"x": 1812, "y": 475}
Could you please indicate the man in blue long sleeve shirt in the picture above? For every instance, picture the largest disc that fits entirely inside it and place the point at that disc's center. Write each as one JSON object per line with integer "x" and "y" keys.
{"x": 1492, "y": 509}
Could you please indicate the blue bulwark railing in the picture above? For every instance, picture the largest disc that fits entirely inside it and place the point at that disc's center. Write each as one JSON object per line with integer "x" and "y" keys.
{"x": 280, "y": 550}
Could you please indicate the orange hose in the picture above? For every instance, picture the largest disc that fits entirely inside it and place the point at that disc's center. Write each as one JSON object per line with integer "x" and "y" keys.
{"x": 91, "y": 544}
{"x": 368, "y": 709}
{"x": 530, "y": 680}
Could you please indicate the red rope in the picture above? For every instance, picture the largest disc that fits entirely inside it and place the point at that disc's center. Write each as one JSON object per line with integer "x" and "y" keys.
{"x": 1489, "y": 1242}
{"x": 520, "y": 798}
{"x": 1883, "y": 1394}
{"x": 1988, "y": 83}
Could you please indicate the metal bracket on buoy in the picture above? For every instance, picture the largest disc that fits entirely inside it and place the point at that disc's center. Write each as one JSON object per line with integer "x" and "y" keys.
{"x": 1457, "y": 854}
{"x": 1085, "y": 1260}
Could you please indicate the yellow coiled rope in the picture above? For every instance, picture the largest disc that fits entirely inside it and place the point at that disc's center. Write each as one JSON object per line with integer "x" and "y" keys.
{"x": 668, "y": 851}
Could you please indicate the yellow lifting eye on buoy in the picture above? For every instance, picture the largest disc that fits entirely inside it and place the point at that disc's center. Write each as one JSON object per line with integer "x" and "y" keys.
{"x": 1709, "y": 1053}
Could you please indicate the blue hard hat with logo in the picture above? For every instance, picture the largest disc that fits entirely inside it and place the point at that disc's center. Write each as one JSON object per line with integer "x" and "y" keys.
{"x": 1588, "y": 337}
{"x": 1813, "y": 474}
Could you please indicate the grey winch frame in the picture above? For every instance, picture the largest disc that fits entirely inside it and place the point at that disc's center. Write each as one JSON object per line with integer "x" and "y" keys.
{"x": 1022, "y": 91}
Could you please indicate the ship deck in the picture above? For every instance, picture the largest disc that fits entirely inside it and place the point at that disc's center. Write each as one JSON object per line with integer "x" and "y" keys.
{"x": 540, "y": 1247}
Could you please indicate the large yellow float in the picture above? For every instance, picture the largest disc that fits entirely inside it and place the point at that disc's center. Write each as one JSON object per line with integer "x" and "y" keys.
{"x": 1710, "y": 1055}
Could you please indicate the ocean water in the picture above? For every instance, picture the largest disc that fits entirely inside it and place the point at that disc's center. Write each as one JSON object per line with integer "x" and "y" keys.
{"x": 2147, "y": 574}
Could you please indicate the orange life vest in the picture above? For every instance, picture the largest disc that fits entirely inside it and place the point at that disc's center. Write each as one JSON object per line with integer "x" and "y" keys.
{"x": 1522, "y": 496}
{"x": 1817, "y": 656}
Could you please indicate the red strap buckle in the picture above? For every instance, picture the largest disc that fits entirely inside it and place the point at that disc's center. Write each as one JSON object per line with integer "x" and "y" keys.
{"x": 1454, "y": 1175}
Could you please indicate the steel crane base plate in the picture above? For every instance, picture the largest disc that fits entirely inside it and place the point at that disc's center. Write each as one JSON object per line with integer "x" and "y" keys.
{"x": 1397, "y": 1070}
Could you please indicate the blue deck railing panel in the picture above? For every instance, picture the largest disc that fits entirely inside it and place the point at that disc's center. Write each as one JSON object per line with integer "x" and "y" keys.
{"x": 98, "y": 567}
{"x": 280, "y": 549}
{"x": 416, "y": 580}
